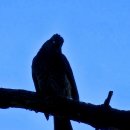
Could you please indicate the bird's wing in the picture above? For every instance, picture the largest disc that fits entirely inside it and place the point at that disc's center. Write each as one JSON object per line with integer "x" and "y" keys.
{"x": 70, "y": 77}
{"x": 35, "y": 83}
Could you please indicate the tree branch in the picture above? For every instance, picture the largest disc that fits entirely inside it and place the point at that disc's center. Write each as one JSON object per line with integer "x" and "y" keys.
{"x": 108, "y": 99}
{"x": 98, "y": 116}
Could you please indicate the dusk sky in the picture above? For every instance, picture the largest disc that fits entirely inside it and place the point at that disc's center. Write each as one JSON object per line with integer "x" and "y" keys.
{"x": 97, "y": 45}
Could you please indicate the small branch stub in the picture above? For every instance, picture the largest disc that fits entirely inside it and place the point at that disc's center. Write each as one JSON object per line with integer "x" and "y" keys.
{"x": 108, "y": 99}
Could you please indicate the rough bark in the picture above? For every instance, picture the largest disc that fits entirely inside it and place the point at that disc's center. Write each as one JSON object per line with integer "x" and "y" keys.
{"x": 98, "y": 116}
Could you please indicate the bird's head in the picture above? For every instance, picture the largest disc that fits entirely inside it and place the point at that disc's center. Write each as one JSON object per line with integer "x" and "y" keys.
{"x": 57, "y": 41}
{"x": 53, "y": 45}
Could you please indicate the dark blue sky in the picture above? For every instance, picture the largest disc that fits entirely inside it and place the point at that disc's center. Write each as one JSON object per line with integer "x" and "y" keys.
{"x": 97, "y": 44}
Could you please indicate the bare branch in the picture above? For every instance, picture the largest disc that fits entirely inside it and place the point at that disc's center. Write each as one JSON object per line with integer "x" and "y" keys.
{"x": 108, "y": 99}
{"x": 97, "y": 116}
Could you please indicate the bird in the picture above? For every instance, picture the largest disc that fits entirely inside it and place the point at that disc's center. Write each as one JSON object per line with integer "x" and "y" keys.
{"x": 53, "y": 76}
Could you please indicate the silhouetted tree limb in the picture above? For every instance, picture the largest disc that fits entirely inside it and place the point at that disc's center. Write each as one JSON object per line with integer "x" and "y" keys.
{"x": 108, "y": 99}
{"x": 98, "y": 116}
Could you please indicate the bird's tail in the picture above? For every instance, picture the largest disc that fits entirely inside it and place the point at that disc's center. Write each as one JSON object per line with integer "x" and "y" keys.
{"x": 61, "y": 123}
